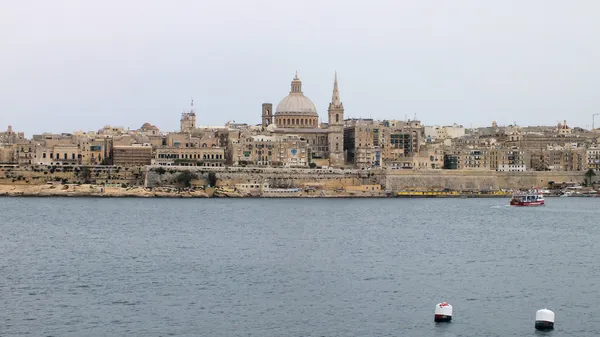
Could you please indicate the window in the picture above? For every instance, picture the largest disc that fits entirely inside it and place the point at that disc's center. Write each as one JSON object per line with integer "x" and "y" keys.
{"x": 337, "y": 118}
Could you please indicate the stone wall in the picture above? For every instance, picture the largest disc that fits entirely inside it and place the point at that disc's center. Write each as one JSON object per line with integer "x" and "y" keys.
{"x": 38, "y": 175}
{"x": 480, "y": 180}
{"x": 278, "y": 177}
{"x": 393, "y": 180}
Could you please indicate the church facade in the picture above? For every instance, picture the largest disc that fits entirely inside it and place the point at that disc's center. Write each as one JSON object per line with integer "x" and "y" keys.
{"x": 296, "y": 115}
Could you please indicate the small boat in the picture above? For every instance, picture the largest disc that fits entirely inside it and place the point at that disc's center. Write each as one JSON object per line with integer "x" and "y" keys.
{"x": 528, "y": 198}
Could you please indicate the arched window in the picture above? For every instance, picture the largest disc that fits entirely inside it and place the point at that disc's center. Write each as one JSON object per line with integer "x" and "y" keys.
{"x": 337, "y": 118}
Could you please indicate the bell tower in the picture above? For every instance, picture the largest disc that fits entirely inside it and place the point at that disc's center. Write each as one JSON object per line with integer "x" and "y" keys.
{"x": 267, "y": 114}
{"x": 335, "y": 129}
{"x": 188, "y": 120}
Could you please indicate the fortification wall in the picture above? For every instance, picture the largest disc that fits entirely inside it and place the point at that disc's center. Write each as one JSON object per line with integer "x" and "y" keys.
{"x": 228, "y": 177}
{"x": 390, "y": 179}
{"x": 480, "y": 180}
{"x": 39, "y": 175}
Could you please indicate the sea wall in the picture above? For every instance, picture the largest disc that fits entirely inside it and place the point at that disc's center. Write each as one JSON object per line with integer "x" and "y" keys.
{"x": 477, "y": 180}
{"x": 276, "y": 177}
{"x": 393, "y": 180}
{"x": 39, "y": 175}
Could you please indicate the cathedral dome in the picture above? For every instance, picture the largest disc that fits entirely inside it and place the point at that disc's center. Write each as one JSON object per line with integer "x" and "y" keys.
{"x": 296, "y": 110}
{"x": 296, "y": 103}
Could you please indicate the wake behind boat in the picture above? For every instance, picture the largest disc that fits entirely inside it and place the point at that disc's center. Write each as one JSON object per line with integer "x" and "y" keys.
{"x": 529, "y": 198}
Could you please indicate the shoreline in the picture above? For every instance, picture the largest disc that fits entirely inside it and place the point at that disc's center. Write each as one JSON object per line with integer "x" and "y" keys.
{"x": 96, "y": 191}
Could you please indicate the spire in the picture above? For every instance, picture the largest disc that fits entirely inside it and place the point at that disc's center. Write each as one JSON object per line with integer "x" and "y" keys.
{"x": 335, "y": 99}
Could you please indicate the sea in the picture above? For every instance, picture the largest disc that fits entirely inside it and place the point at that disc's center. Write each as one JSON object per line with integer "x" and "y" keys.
{"x": 296, "y": 267}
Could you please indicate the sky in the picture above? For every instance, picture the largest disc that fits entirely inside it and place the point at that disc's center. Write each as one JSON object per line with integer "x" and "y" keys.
{"x": 69, "y": 65}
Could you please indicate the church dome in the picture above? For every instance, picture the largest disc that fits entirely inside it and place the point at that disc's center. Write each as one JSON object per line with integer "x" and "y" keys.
{"x": 296, "y": 103}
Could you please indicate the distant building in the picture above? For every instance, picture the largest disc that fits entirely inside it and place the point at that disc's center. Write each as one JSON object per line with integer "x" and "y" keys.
{"x": 188, "y": 120}
{"x": 132, "y": 155}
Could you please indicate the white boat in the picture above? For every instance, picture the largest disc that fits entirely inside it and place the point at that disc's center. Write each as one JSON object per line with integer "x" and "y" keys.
{"x": 269, "y": 192}
{"x": 527, "y": 198}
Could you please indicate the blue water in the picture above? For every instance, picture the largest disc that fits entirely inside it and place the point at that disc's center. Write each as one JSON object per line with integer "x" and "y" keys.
{"x": 296, "y": 267}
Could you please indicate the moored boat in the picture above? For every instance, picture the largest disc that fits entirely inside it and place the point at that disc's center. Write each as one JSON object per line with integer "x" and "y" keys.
{"x": 528, "y": 198}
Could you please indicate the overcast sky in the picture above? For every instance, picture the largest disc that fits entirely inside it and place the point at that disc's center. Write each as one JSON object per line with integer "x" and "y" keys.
{"x": 78, "y": 65}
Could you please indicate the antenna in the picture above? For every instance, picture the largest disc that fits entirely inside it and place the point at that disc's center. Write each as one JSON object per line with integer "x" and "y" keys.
{"x": 593, "y": 117}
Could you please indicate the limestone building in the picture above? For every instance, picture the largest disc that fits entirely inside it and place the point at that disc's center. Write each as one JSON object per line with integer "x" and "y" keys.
{"x": 297, "y": 116}
{"x": 188, "y": 120}
{"x": 296, "y": 110}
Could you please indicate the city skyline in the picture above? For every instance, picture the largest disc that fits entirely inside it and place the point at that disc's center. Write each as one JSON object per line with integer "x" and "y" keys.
{"x": 67, "y": 69}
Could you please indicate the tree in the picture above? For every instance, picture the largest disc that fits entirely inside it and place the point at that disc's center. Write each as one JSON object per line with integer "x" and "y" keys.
{"x": 312, "y": 165}
{"x": 588, "y": 176}
{"x": 185, "y": 178}
{"x": 212, "y": 179}
{"x": 86, "y": 175}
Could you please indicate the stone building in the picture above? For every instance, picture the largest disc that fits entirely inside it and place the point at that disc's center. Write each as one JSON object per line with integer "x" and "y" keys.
{"x": 335, "y": 128}
{"x": 133, "y": 155}
{"x": 264, "y": 150}
{"x": 148, "y": 129}
{"x": 189, "y": 156}
{"x": 296, "y": 116}
{"x": 7, "y": 152}
{"x": 11, "y": 137}
{"x": 295, "y": 110}
{"x": 188, "y": 120}
{"x": 58, "y": 155}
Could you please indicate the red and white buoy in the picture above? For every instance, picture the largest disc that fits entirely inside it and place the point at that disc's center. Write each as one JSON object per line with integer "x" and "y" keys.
{"x": 544, "y": 319}
{"x": 443, "y": 312}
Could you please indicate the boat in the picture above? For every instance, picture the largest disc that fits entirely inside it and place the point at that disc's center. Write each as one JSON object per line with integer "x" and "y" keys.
{"x": 528, "y": 198}
{"x": 270, "y": 192}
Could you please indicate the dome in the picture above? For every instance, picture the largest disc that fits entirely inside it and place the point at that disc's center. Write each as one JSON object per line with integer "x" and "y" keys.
{"x": 296, "y": 103}
{"x": 271, "y": 127}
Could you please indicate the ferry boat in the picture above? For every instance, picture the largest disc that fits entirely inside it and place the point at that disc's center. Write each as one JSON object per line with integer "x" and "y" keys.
{"x": 528, "y": 198}
{"x": 269, "y": 192}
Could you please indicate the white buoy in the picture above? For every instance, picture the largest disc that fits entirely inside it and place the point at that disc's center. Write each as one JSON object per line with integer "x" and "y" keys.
{"x": 544, "y": 319}
{"x": 443, "y": 312}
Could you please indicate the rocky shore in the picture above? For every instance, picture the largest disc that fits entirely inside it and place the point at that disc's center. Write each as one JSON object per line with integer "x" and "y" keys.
{"x": 87, "y": 190}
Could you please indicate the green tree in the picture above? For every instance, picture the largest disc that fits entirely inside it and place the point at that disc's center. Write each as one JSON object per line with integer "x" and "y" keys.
{"x": 212, "y": 179}
{"x": 588, "y": 176}
{"x": 86, "y": 175}
{"x": 185, "y": 178}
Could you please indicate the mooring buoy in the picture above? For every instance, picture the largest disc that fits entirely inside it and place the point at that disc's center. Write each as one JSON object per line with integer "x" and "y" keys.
{"x": 443, "y": 312}
{"x": 544, "y": 319}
